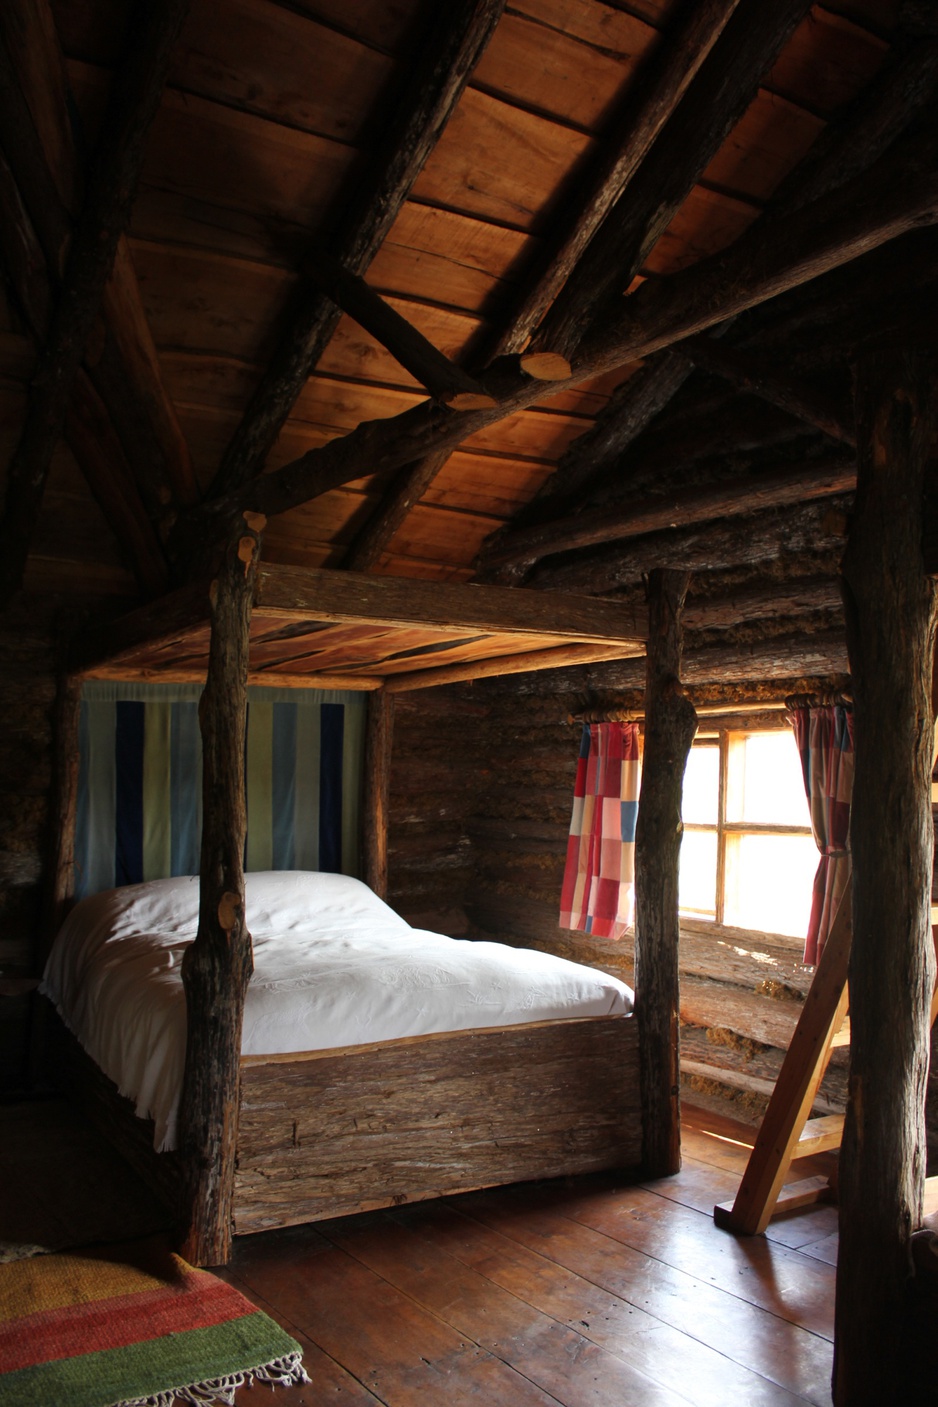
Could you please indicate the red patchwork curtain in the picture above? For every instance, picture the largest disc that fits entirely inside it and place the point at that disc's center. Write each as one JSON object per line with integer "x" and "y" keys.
{"x": 599, "y": 879}
{"x": 824, "y": 734}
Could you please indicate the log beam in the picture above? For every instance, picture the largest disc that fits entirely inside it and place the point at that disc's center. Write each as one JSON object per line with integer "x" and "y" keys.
{"x": 88, "y": 429}
{"x": 635, "y": 128}
{"x": 409, "y": 486}
{"x": 741, "y": 496}
{"x": 713, "y": 104}
{"x": 112, "y": 182}
{"x": 750, "y": 373}
{"x": 60, "y": 876}
{"x": 376, "y": 791}
{"x": 443, "y": 379}
{"x": 891, "y": 608}
{"x": 459, "y": 33}
{"x": 36, "y": 126}
{"x": 670, "y": 725}
{"x": 897, "y": 195}
{"x": 217, "y": 967}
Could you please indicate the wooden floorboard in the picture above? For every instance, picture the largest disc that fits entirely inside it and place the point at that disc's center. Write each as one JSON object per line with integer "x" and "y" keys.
{"x": 583, "y": 1293}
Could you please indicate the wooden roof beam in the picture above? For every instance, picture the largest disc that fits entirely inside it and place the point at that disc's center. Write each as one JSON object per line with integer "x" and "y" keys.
{"x": 112, "y": 181}
{"x": 854, "y": 140}
{"x": 48, "y": 169}
{"x": 897, "y": 195}
{"x": 635, "y": 127}
{"x": 443, "y": 379}
{"x": 746, "y": 494}
{"x": 460, "y": 31}
{"x": 88, "y": 429}
{"x": 751, "y": 373}
{"x": 816, "y": 528}
{"x": 714, "y": 102}
{"x": 559, "y": 657}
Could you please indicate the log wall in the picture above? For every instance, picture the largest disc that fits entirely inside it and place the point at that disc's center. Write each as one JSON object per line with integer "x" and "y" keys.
{"x": 481, "y": 791}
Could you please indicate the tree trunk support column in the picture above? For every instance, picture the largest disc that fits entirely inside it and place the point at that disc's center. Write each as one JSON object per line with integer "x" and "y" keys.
{"x": 217, "y": 967}
{"x": 670, "y": 725}
{"x": 378, "y": 734}
{"x": 891, "y": 615}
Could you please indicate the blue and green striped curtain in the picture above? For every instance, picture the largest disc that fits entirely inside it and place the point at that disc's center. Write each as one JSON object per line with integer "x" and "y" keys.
{"x": 140, "y": 782}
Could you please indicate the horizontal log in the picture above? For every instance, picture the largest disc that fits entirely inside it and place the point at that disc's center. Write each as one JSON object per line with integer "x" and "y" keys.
{"x": 445, "y": 55}
{"x": 661, "y": 85}
{"x": 748, "y": 372}
{"x": 741, "y": 496}
{"x": 352, "y": 596}
{"x": 783, "y": 598}
{"x": 816, "y": 528}
{"x": 444, "y": 380}
{"x": 530, "y": 660}
{"x": 894, "y": 196}
{"x": 127, "y": 673}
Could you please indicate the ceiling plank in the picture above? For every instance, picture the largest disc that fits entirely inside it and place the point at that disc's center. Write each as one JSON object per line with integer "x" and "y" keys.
{"x": 745, "y": 494}
{"x": 28, "y": 30}
{"x": 713, "y": 104}
{"x": 638, "y": 123}
{"x": 459, "y": 34}
{"x": 859, "y": 136}
{"x": 635, "y": 128}
{"x": 897, "y": 195}
{"x": 106, "y": 210}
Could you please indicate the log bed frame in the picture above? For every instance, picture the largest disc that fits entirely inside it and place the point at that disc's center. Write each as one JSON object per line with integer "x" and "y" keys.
{"x": 272, "y": 1141}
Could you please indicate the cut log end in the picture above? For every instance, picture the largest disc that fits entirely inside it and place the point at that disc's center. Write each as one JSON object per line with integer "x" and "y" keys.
{"x": 545, "y": 366}
{"x": 470, "y": 400}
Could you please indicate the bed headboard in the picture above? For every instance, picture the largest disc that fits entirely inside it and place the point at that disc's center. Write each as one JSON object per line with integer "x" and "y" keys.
{"x": 139, "y": 809}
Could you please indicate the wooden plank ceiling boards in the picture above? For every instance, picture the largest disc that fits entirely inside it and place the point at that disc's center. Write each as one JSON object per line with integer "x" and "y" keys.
{"x": 469, "y": 183}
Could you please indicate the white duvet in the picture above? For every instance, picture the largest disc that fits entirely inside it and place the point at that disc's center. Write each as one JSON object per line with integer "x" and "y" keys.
{"x": 333, "y": 966}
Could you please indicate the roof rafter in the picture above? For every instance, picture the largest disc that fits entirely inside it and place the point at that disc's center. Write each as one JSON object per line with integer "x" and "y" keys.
{"x": 634, "y": 128}
{"x": 112, "y": 181}
{"x": 855, "y": 139}
{"x": 49, "y": 172}
{"x": 713, "y": 104}
{"x": 741, "y": 495}
{"x": 459, "y": 33}
{"x": 898, "y": 194}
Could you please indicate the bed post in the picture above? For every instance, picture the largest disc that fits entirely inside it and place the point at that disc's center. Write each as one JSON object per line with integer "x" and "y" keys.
{"x": 891, "y": 607}
{"x": 670, "y": 725}
{"x": 217, "y": 967}
{"x": 60, "y": 883}
{"x": 376, "y": 790}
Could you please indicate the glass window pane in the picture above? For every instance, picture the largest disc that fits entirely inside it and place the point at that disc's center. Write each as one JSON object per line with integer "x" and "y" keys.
{"x": 768, "y": 882}
{"x": 701, "y": 786}
{"x": 697, "y": 882}
{"x": 765, "y": 784}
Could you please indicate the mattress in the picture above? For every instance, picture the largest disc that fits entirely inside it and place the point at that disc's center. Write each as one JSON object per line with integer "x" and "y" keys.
{"x": 334, "y": 966}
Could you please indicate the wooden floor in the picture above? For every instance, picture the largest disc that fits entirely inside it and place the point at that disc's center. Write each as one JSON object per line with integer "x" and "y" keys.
{"x": 588, "y": 1295}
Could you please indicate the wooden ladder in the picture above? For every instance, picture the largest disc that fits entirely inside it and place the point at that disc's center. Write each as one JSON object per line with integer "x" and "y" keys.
{"x": 787, "y": 1132}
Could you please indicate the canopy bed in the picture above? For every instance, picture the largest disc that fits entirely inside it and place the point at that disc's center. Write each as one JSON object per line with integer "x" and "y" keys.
{"x": 331, "y": 1123}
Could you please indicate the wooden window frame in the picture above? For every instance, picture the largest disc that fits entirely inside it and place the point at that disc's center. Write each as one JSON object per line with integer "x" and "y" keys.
{"x": 725, "y": 829}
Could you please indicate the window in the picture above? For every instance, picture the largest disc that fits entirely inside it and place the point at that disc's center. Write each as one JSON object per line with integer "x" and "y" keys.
{"x": 748, "y": 858}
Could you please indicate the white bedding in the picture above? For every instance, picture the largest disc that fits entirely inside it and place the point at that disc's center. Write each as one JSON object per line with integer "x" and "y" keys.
{"x": 333, "y": 966}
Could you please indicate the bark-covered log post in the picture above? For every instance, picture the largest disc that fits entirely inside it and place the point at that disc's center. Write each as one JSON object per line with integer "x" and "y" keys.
{"x": 670, "y": 725}
{"x": 376, "y": 791}
{"x": 891, "y": 615}
{"x": 217, "y": 967}
{"x": 60, "y": 880}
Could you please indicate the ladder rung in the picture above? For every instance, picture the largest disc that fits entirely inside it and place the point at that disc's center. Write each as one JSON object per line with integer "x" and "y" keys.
{"x": 820, "y": 1135}
{"x": 803, "y": 1194}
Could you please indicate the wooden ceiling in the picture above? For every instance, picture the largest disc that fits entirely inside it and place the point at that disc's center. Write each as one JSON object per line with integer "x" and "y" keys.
{"x": 501, "y": 175}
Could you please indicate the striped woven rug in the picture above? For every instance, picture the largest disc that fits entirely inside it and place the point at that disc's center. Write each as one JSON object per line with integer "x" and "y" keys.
{"x": 147, "y": 1330}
